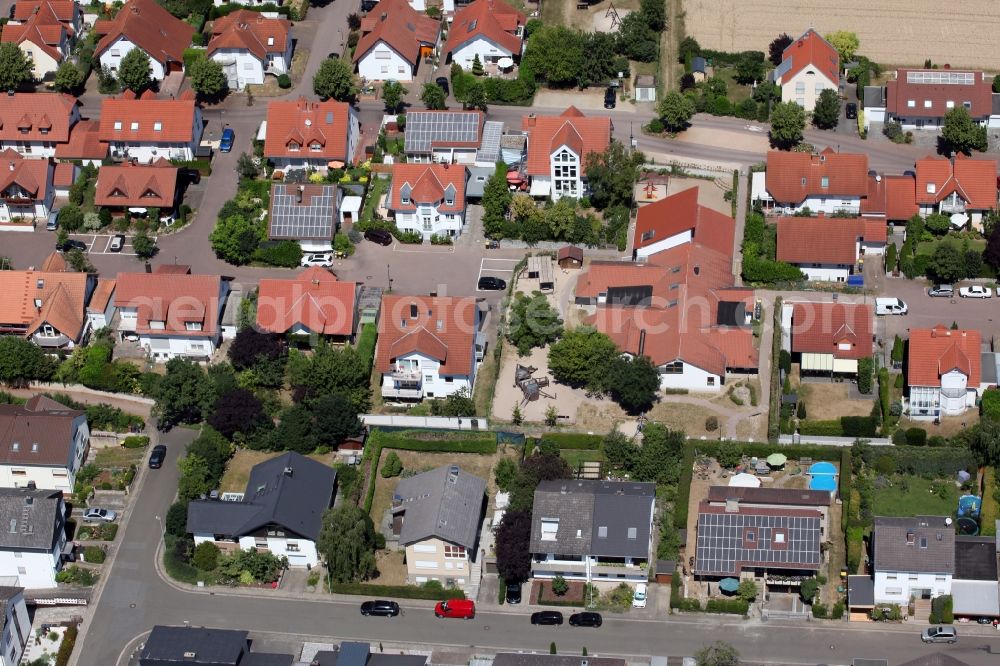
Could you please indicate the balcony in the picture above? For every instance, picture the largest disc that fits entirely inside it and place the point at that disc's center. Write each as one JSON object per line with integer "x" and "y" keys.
{"x": 400, "y": 392}
{"x": 405, "y": 376}
{"x": 579, "y": 568}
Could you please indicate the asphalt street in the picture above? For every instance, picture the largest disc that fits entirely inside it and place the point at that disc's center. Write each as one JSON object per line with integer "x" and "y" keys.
{"x": 135, "y": 597}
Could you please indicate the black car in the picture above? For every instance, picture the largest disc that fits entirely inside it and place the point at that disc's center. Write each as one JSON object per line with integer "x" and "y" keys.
{"x": 513, "y": 593}
{"x": 71, "y": 244}
{"x": 380, "y": 236}
{"x": 157, "y": 456}
{"x": 610, "y": 98}
{"x": 380, "y": 607}
{"x": 585, "y": 620}
{"x": 192, "y": 176}
{"x": 547, "y": 617}
{"x": 490, "y": 283}
{"x": 442, "y": 82}
{"x": 851, "y": 110}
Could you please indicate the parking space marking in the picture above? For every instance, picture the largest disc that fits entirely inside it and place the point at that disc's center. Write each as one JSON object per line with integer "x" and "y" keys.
{"x": 488, "y": 269}
{"x": 101, "y": 243}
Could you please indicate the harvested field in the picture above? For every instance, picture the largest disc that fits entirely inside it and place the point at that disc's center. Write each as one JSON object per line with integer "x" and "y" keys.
{"x": 892, "y": 32}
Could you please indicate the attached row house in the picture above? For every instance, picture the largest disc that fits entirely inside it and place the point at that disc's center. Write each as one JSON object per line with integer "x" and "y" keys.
{"x": 841, "y": 253}
{"x": 138, "y": 189}
{"x": 921, "y": 98}
{"x": 27, "y": 190}
{"x": 146, "y": 129}
{"x": 46, "y": 306}
{"x": 43, "y": 444}
{"x": 34, "y": 124}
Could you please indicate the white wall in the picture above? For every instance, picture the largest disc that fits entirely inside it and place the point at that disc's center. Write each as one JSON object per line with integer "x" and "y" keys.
{"x": 817, "y": 205}
{"x": 486, "y": 49}
{"x": 433, "y": 385}
{"x": 444, "y": 224}
{"x": 421, "y": 5}
{"x": 39, "y": 568}
{"x": 825, "y": 272}
{"x": 241, "y": 67}
{"x": 693, "y": 379}
{"x": 248, "y": 3}
{"x": 665, "y": 244}
{"x": 319, "y": 163}
{"x": 50, "y": 477}
{"x": 382, "y": 63}
{"x": 805, "y": 87}
{"x": 40, "y": 148}
{"x": 16, "y": 631}
{"x": 42, "y": 61}
{"x": 99, "y": 320}
{"x": 896, "y": 587}
{"x": 148, "y": 152}
{"x": 305, "y": 554}
{"x": 113, "y": 55}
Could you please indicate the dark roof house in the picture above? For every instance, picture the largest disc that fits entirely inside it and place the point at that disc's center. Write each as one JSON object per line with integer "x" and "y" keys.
{"x": 918, "y": 544}
{"x": 205, "y": 647}
{"x": 290, "y": 491}
{"x": 535, "y": 659}
{"x": 768, "y": 496}
{"x": 601, "y": 518}
{"x": 303, "y": 212}
{"x": 36, "y": 518}
{"x": 359, "y": 654}
{"x": 444, "y": 503}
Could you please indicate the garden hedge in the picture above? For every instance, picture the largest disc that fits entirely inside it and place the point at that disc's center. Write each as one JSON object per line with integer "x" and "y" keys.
{"x": 439, "y": 441}
{"x": 574, "y": 440}
{"x": 845, "y": 486}
{"x": 66, "y": 646}
{"x": 684, "y": 489}
{"x": 734, "y": 606}
{"x": 397, "y": 591}
{"x": 135, "y": 442}
{"x": 366, "y": 344}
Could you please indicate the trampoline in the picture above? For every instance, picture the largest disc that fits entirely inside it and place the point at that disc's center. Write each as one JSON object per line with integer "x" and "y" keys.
{"x": 967, "y": 526}
{"x": 822, "y": 468}
{"x": 969, "y": 505}
{"x": 825, "y": 482}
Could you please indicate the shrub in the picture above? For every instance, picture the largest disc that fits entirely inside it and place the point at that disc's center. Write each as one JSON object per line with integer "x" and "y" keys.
{"x": 67, "y": 645}
{"x": 837, "y": 612}
{"x": 392, "y": 466}
{"x": 734, "y": 606}
{"x": 865, "y": 368}
{"x": 559, "y": 586}
{"x": 135, "y": 442}
{"x": 286, "y": 253}
{"x": 284, "y": 81}
{"x": 429, "y": 592}
{"x": 205, "y": 556}
{"x": 711, "y": 424}
{"x": 916, "y": 437}
{"x": 819, "y": 610}
{"x": 94, "y": 554}
{"x": 574, "y": 440}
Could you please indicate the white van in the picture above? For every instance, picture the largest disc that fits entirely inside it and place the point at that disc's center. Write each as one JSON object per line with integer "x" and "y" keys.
{"x": 890, "y": 306}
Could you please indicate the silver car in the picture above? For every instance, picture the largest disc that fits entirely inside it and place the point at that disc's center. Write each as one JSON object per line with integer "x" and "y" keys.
{"x": 100, "y": 515}
{"x": 939, "y": 635}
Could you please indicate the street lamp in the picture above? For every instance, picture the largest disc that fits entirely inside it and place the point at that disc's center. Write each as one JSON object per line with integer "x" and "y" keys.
{"x": 389, "y": 275}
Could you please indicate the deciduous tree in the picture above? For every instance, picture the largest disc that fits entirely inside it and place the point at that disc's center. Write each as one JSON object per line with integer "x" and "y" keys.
{"x": 208, "y": 79}
{"x": 347, "y": 543}
{"x": 134, "y": 71}
{"x": 236, "y": 411}
{"x": 533, "y": 323}
{"x": 250, "y": 346}
{"x": 960, "y": 134}
{"x": 826, "y": 113}
{"x": 496, "y": 199}
{"x": 777, "y": 48}
{"x": 687, "y": 49}
{"x": 513, "y": 546}
{"x": 183, "y": 395}
{"x": 15, "y": 66}
{"x": 433, "y": 96}
{"x": 717, "y": 654}
{"x": 335, "y": 80}
{"x": 749, "y": 68}
{"x": 392, "y": 95}
{"x": 555, "y": 54}
{"x": 68, "y": 78}
{"x": 788, "y": 120}
{"x": 612, "y": 175}
{"x": 235, "y": 239}
{"x": 581, "y": 357}
{"x": 675, "y": 111}
{"x": 336, "y": 419}
{"x": 845, "y": 42}
{"x": 655, "y": 13}
{"x": 633, "y": 383}
{"x": 22, "y": 362}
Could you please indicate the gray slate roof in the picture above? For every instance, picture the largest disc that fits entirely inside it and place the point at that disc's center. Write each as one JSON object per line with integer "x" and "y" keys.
{"x": 779, "y": 496}
{"x": 521, "y": 659}
{"x": 921, "y": 544}
{"x": 359, "y": 654}
{"x": 860, "y": 591}
{"x": 604, "y": 518}
{"x": 167, "y": 645}
{"x": 446, "y": 503}
{"x": 267, "y": 659}
{"x": 30, "y": 519}
{"x": 291, "y": 491}
{"x": 975, "y": 558}
{"x": 936, "y": 659}
{"x": 874, "y": 97}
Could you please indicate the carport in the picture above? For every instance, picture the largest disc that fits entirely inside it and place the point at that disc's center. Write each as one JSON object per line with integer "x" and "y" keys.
{"x": 540, "y": 268}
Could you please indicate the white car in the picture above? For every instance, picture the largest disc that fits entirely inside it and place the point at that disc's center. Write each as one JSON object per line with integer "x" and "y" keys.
{"x": 100, "y": 515}
{"x": 322, "y": 259}
{"x": 639, "y": 598}
{"x": 975, "y": 291}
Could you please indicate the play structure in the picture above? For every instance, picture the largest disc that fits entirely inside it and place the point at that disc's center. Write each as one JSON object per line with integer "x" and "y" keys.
{"x": 531, "y": 387}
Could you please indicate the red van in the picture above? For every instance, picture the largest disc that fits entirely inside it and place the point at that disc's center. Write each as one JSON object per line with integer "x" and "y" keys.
{"x": 464, "y": 608}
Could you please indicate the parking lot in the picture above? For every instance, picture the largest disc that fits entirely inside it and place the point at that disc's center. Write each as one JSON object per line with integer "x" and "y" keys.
{"x": 499, "y": 268}
{"x": 101, "y": 243}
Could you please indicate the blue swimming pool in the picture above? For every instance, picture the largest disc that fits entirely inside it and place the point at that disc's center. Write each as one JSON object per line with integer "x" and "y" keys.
{"x": 826, "y": 482}
{"x": 822, "y": 468}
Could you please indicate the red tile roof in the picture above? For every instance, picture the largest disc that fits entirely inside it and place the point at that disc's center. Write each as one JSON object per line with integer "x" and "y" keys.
{"x": 603, "y": 275}
{"x": 19, "y": 175}
{"x": 37, "y": 433}
{"x": 84, "y": 143}
{"x": 147, "y": 120}
{"x": 792, "y": 177}
{"x": 811, "y": 49}
{"x": 133, "y": 185}
{"x": 245, "y": 30}
{"x": 899, "y": 92}
{"x": 66, "y": 12}
{"x": 890, "y": 196}
{"x": 36, "y": 112}
{"x": 444, "y": 329}
{"x": 150, "y": 27}
{"x": 305, "y": 123}
{"x": 401, "y": 27}
{"x": 975, "y": 181}
{"x": 315, "y": 300}
{"x": 547, "y": 133}
{"x": 62, "y": 295}
{"x": 821, "y": 328}
{"x": 797, "y": 238}
{"x": 427, "y": 184}
{"x": 494, "y": 20}
{"x": 172, "y": 299}
{"x": 937, "y": 351}
{"x": 681, "y": 212}
{"x": 43, "y": 29}
{"x": 65, "y": 174}
{"x": 102, "y": 295}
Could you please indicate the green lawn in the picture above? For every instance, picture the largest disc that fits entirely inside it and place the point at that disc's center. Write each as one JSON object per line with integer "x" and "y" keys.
{"x": 734, "y": 91}
{"x": 912, "y": 496}
{"x": 574, "y": 457}
{"x": 927, "y": 247}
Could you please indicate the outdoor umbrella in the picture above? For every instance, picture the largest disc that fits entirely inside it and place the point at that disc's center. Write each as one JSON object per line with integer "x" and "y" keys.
{"x": 744, "y": 481}
{"x": 777, "y": 459}
{"x": 729, "y": 585}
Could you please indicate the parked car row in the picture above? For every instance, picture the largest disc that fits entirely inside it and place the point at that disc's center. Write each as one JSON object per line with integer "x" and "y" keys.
{"x": 550, "y": 618}
{"x": 466, "y": 610}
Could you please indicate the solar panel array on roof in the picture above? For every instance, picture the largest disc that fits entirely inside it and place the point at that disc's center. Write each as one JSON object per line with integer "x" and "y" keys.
{"x": 632, "y": 296}
{"x": 939, "y": 77}
{"x": 729, "y": 541}
{"x": 425, "y": 127}
{"x": 313, "y": 218}
{"x": 489, "y": 149}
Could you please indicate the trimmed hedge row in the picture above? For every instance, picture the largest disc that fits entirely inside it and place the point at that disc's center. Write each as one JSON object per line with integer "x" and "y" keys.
{"x": 845, "y": 486}
{"x": 764, "y": 449}
{"x": 574, "y": 440}
{"x": 66, "y": 646}
{"x": 684, "y": 489}
{"x": 845, "y": 426}
{"x": 366, "y": 344}
{"x": 734, "y": 606}
{"x": 397, "y": 591}
{"x": 436, "y": 441}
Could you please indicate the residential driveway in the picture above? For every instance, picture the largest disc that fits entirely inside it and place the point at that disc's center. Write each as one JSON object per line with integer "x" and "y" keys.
{"x": 590, "y": 99}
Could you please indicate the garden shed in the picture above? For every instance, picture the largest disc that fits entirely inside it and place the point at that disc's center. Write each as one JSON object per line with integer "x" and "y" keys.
{"x": 570, "y": 257}
{"x": 645, "y": 88}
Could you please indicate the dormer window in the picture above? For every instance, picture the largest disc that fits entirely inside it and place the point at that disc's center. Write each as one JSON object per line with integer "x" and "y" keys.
{"x": 157, "y": 126}
{"x": 157, "y": 325}
{"x": 134, "y": 126}
{"x": 449, "y": 200}
{"x": 270, "y": 41}
{"x": 43, "y": 130}
{"x": 911, "y": 103}
{"x": 118, "y": 125}
{"x": 293, "y": 147}
{"x": 192, "y": 325}
{"x": 315, "y": 147}
{"x": 24, "y": 130}
{"x": 928, "y": 104}
{"x": 950, "y": 104}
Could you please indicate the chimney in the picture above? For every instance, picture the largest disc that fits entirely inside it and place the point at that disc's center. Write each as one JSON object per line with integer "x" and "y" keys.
{"x": 29, "y": 500}
{"x": 298, "y": 195}
{"x": 530, "y": 120}
{"x": 31, "y": 485}
{"x": 642, "y": 341}
{"x": 149, "y": 269}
